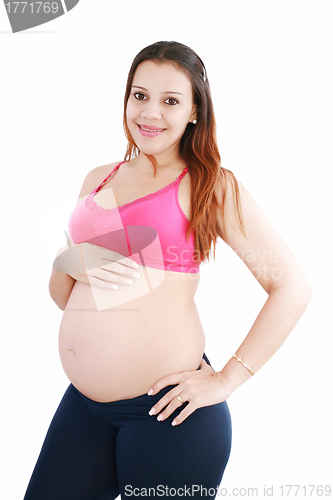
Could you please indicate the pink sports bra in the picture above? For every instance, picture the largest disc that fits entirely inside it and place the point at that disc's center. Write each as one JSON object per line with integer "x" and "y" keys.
{"x": 151, "y": 230}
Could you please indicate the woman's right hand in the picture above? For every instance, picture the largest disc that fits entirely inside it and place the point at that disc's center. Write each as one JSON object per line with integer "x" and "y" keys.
{"x": 96, "y": 266}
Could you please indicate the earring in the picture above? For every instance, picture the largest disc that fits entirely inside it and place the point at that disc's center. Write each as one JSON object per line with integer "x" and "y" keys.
{"x": 194, "y": 122}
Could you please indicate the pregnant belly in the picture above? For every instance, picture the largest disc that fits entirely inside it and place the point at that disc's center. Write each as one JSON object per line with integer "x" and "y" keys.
{"x": 120, "y": 352}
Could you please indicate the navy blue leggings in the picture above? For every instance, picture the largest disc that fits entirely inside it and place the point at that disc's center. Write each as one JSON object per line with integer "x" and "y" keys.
{"x": 96, "y": 451}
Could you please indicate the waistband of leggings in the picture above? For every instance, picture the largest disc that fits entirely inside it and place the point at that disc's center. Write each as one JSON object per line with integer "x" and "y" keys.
{"x": 136, "y": 404}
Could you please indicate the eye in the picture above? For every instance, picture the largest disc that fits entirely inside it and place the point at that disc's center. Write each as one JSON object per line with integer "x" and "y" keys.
{"x": 173, "y": 103}
{"x": 139, "y": 96}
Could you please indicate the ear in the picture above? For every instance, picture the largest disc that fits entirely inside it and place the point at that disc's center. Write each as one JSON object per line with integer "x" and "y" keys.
{"x": 194, "y": 114}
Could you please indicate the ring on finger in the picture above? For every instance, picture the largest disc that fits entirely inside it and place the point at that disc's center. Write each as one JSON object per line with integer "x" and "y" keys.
{"x": 180, "y": 399}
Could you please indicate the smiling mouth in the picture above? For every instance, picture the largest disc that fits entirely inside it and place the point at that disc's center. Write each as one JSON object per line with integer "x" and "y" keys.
{"x": 151, "y": 129}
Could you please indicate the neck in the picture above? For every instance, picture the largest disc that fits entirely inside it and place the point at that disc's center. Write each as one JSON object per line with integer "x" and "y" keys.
{"x": 170, "y": 163}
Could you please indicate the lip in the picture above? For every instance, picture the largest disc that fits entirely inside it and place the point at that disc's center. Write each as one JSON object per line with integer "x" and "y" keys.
{"x": 150, "y": 131}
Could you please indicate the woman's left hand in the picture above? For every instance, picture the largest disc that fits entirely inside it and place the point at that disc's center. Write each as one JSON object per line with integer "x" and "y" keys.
{"x": 199, "y": 388}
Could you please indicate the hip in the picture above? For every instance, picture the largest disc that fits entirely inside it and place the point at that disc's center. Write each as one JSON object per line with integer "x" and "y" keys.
{"x": 210, "y": 424}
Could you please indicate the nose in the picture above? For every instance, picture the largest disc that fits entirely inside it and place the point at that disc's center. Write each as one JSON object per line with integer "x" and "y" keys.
{"x": 151, "y": 110}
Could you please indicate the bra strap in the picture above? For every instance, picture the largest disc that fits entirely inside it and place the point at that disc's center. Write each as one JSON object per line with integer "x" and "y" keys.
{"x": 182, "y": 174}
{"x": 108, "y": 177}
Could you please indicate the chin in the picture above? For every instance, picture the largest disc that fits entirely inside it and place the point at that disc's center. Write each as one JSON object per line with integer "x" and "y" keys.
{"x": 149, "y": 149}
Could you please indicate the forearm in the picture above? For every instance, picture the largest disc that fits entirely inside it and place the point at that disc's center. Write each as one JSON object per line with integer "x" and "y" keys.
{"x": 279, "y": 315}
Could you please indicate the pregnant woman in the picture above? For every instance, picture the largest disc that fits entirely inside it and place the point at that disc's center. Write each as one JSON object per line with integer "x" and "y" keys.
{"x": 145, "y": 414}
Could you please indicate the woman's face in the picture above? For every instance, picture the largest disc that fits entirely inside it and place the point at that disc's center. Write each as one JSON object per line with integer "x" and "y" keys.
{"x": 159, "y": 108}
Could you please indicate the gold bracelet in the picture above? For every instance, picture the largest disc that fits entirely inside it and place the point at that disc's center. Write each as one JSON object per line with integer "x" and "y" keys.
{"x": 244, "y": 364}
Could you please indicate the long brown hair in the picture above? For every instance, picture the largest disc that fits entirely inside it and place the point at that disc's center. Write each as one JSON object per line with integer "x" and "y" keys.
{"x": 198, "y": 147}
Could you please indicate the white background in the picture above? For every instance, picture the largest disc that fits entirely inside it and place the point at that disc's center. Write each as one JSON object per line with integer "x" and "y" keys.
{"x": 62, "y": 85}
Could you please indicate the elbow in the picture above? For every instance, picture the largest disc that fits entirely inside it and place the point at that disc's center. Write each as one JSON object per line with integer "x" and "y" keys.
{"x": 56, "y": 299}
{"x": 304, "y": 299}
{"x": 297, "y": 293}
{"x": 307, "y": 295}
{"x": 60, "y": 294}
{"x": 303, "y": 291}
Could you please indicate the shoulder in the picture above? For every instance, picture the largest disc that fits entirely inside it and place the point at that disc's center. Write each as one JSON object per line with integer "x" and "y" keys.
{"x": 95, "y": 177}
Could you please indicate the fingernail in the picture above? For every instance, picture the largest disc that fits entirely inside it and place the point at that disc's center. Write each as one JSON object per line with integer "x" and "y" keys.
{"x": 160, "y": 417}
{"x": 152, "y": 411}
{"x": 128, "y": 281}
{"x": 150, "y": 392}
{"x": 173, "y": 423}
{"x": 135, "y": 274}
{"x": 112, "y": 286}
{"x": 135, "y": 265}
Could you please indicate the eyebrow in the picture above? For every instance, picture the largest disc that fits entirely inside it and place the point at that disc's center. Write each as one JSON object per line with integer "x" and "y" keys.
{"x": 166, "y": 92}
